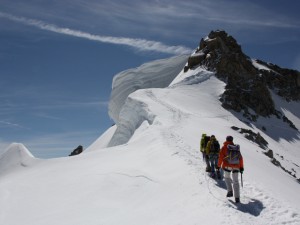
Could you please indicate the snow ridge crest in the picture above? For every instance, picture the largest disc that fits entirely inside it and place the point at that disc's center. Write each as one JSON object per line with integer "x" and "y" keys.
{"x": 16, "y": 155}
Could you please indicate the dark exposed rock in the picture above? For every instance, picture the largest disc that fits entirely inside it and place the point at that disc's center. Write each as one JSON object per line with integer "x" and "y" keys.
{"x": 186, "y": 68}
{"x": 275, "y": 162}
{"x": 195, "y": 59}
{"x": 235, "y": 128}
{"x": 285, "y": 82}
{"x": 77, "y": 151}
{"x": 278, "y": 164}
{"x": 252, "y": 136}
{"x": 246, "y": 86}
{"x": 269, "y": 153}
{"x": 285, "y": 119}
{"x": 225, "y": 56}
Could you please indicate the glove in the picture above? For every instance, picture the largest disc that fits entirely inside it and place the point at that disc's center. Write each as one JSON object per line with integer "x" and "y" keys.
{"x": 241, "y": 170}
{"x": 218, "y": 168}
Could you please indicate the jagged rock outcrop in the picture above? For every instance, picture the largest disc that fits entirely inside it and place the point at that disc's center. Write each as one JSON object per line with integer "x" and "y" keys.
{"x": 252, "y": 136}
{"x": 77, "y": 151}
{"x": 285, "y": 82}
{"x": 247, "y": 86}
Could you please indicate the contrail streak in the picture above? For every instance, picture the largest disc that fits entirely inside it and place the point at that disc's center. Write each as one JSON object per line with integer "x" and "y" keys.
{"x": 140, "y": 44}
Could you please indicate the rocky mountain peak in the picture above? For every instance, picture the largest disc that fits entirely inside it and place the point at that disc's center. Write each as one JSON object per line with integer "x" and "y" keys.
{"x": 221, "y": 53}
{"x": 221, "y": 41}
{"x": 248, "y": 87}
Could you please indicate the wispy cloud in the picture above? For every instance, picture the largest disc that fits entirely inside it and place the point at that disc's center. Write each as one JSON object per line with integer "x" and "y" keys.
{"x": 140, "y": 44}
{"x": 177, "y": 21}
{"x": 187, "y": 15}
{"x": 9, "y": 124}
{"x": 245, "y": 13}
{"x": 192, "y": 11}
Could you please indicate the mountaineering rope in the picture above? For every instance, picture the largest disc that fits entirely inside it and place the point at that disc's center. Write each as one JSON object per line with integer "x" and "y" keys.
{"x": 209, "y": 190}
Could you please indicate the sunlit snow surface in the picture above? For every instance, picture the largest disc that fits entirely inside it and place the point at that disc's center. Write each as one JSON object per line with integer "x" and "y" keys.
{"x": 154, "y": 173}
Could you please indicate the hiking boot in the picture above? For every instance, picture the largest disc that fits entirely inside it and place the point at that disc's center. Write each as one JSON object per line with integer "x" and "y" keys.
{"x": 218, "y": 174}
{"x": 208, "y": 169}
{"x": 229, "y": 194}
{"x": 237, "y": 200}
{"x": 213, "y": 175}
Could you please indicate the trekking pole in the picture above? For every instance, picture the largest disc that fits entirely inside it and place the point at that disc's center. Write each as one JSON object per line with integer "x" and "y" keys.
{"x": 242, "y": 179}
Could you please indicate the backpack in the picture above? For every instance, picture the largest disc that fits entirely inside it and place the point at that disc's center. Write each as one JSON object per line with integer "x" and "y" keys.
{"x": 214, "y": 147}
{"x": 206, "y": 140}
{"x": 233, "y": 154}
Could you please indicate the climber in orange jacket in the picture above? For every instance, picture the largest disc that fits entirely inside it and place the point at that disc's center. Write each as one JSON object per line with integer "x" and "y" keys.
{"x": 231, "y": 167}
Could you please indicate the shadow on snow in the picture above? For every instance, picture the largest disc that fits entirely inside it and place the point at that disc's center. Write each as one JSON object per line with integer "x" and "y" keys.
{"x": 253, "y": 207}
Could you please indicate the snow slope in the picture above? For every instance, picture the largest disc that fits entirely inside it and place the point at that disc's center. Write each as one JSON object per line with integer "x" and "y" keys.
{"x": 154, "y": 173}
{"x": 15, "y": 157}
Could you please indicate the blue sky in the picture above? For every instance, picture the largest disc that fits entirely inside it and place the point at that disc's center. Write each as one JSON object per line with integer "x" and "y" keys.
{"x": 58, "y": 58}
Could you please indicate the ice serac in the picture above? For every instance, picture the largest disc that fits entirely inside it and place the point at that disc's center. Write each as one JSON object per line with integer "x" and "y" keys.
{"x": 156, "y": 74}
{"x": 134, "y": 112}
{"x": 16, "y": 155}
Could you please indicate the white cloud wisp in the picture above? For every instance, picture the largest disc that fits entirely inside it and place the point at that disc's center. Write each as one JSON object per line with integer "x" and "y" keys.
{"x": 140, "y": 44}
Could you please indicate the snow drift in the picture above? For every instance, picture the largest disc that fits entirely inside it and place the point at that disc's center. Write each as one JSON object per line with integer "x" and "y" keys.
{"x": 14, "y": 157}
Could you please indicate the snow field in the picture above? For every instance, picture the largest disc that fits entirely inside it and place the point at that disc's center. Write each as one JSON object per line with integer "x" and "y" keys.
{"x": 154, "y": 172}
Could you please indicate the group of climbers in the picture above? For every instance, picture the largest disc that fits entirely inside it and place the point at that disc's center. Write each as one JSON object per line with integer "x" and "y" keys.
{"x": 228, "y": 158}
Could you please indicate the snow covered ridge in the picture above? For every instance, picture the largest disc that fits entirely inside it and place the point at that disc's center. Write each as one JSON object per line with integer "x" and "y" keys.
{"x": 15, "y": 156}
{"x": 158, "y": 176}
{"x": 156, "y": 74}
{"x": 135, "y": 111}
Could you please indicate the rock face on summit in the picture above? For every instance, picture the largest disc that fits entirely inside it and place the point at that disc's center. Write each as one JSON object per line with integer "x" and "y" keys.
{"x": 247, "y": 86}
